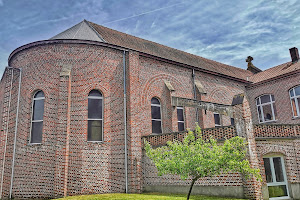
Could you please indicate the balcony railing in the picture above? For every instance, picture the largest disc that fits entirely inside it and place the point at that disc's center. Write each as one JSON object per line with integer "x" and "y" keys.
{"x": 220, "y": 133}
{"x": 276, "y": 130}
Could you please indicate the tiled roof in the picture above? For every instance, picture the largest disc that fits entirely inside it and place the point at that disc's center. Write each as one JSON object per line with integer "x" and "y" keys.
{"x": 81, "y": 31}
{"x": 122, "y": 39}
{"x": 90, "y": 31}
{"x": 276, "y": 71}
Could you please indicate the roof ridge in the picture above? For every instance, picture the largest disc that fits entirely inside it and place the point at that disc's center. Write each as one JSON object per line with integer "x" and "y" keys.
{"x": 88, "y": 23}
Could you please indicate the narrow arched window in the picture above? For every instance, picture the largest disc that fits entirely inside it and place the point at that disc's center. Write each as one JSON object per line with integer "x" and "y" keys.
{"x": 266, "y": 108}
{"x": 156, "y": 115}
{"x": 95, "y": 116}
{"x": 37, "y": 117}
{"x": 295, "y": 100}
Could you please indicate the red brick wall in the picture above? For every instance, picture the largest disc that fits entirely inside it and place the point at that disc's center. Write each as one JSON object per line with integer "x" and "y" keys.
{"x": 289, "y": 149}
{"x": 219, "y": 90}
{"x": 99, "y": 167}
{"x": 92, "y": 167}
{"x": 280, "y": 89}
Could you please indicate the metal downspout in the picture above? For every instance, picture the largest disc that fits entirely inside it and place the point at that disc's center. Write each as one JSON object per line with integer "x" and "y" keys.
{"x": 195, "y": 94}
{"x": 125, "y": 122}
{"x": 6, "y": 137}
{"x": 15, "y": 139}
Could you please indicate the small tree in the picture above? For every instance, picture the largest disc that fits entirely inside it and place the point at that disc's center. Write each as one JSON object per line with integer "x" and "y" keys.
{"x": 197, "y": 158}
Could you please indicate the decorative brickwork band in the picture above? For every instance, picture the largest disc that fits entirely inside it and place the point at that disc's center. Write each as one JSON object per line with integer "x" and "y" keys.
{"x": 276, "y": 130}
{"x": 220, "y": 133}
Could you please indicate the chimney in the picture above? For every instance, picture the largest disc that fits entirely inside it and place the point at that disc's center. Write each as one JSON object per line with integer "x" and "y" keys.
{"x": 294, "y": 54}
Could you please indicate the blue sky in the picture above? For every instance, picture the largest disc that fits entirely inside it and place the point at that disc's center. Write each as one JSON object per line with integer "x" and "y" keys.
{"x": 223, "y": 30}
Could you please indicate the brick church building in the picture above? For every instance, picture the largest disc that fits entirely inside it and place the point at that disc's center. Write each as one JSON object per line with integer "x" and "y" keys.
{"x": 76, "y": 108}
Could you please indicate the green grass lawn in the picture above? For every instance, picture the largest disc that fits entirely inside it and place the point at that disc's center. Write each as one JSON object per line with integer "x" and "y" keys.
{"x": 148, "y": 196}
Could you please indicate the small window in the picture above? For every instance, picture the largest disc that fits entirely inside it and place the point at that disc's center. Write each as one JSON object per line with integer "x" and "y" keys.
{"x": 156, "y": 115}
{"x": 295, "y": 101}
{"x": 266, "y": 108}
{"x": 37, "y": 118}
{"x": 217, "y": 119}
{"x": 180, "y": 118}
{"x": 232, "y": 121}
{"x": 95, "y": 116}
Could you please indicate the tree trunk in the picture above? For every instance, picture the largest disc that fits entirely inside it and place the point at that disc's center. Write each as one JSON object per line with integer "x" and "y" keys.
{"x": 191, "y": 187}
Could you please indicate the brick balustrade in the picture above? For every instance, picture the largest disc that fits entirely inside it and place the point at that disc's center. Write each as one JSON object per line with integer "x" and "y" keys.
{"x": 219, "y": 133}
{"x": 276, "y": 130}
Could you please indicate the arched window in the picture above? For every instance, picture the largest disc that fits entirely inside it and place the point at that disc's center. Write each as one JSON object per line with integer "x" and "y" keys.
{"x": 295, "y": 100}
{"x": 266, "y": 108}
{"x": 95, "y": 116}
{"x": 156, "y": 116}
{"x": 37, "y": 117}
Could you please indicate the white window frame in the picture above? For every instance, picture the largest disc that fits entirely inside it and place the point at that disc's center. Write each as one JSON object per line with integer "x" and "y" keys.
{"x": 32, "y": 121}
{"x": 217, "y": 125}
{"x": 157, "y": 105}
{"x": 180, "y": 108}
{"x": 260, "y": 105}
{"x": 294, "y": 98}
{"x": 97, "y": 119}
{"x": 274, "y": 182}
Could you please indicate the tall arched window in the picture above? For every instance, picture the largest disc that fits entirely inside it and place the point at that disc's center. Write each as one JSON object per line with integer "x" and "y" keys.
{"x": 266, "y": 108}
{"x": 156, "y": 115}
{"x": 95, "y": 116}
{"x": 295, "y": 100}
{"x": 37, "y": 117}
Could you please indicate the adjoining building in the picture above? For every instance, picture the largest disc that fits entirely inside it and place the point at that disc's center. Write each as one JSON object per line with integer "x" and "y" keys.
{"x": 76, "y": 108}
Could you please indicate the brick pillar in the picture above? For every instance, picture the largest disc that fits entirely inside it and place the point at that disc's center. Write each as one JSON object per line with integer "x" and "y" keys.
{"x": 244, "y": 128}
{"x": 135, "y": 128}
{"x": 61, "y": 163}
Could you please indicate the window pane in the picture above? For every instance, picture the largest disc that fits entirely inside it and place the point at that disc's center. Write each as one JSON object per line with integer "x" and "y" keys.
{"x": 38, "y": 109}
{"x": 155, "y": 112}
{"x": 298, "y": 102}
{"x": 257, "y": 101}
{"x": 95, "y": 130}
{"x": 36, "y": 132}
{"x": 95, "y": 108}
{"x": 232, "y": 121}
{"x": 265, "y": 99}
{"x": 294, "y": 107}
{"x": 155, "y": 101}
{"x": 268, "y": 116}
{"x": 156, "y": 126}
{"x": 259, "y": 114}
{"x": 180, "y": 126}
{"x": 39, "y": 94}
{"x": 297, "y": 90}
{"x": 180, "y": 114}
{"x": 217, "y": 119}
{"x": 268, "y": 170}
{"x": 95, "y": 93}
{"x": 277, "y": 191}
{"x": 278, "y": 169}
{"x": 273, "y": 98}
{"x": 292, "y": 93}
